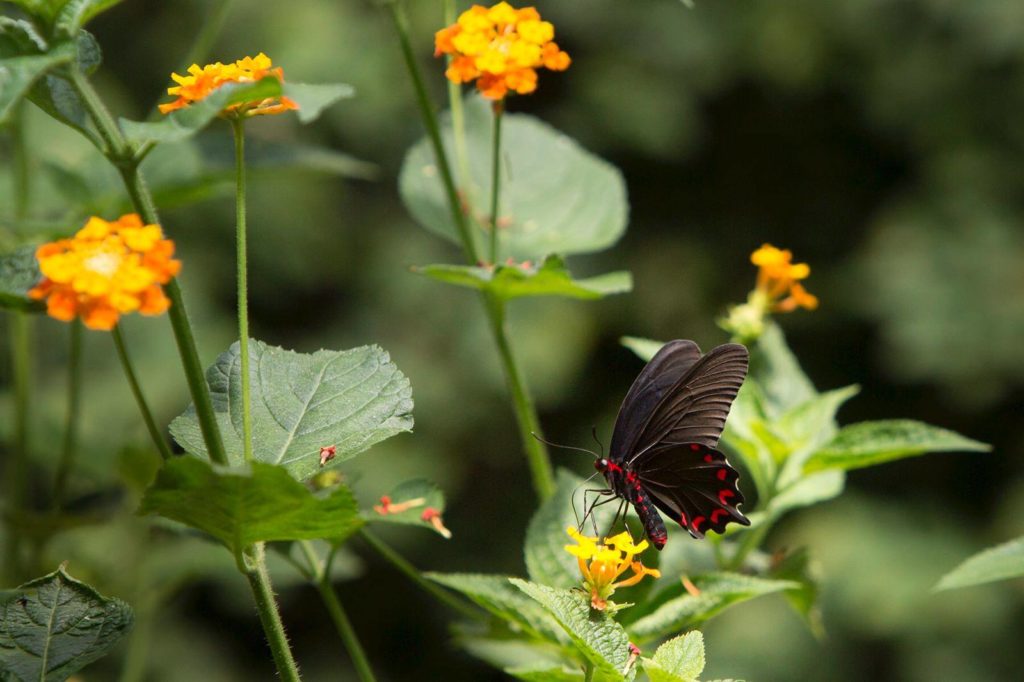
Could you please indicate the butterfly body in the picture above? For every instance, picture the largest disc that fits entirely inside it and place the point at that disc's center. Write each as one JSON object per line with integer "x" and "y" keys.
{"x": 663, "y": 455}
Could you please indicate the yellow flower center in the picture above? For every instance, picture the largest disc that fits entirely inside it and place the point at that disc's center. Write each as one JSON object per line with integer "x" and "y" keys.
{"x": 103, "y": 263}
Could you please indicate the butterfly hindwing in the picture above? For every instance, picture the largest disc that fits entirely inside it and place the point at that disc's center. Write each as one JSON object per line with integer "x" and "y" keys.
{"x": 693, "y": 485}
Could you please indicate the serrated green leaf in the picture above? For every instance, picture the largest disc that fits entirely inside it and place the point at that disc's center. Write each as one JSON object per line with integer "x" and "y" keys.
{"x": 645, "y": 349}
{"x": 777, "y": 372}
{"x": 598, "y": 637}
{"x": 19, "y": 74}
{"x": 243, "y": 506}
{"x": 421, "y": 491}
{"x": 77, "y": 13}
{"x": 551, "y": 278}
{"x": 718, "y": 591}
{"x": 19, "y": 272}
{"x": 183, "y": 123}
{"x": 54, "y": 626}
{"x": 547, "y": 562}
{"x": 680, "y": 659}
{"x": 314, "y": 98}
{"x": 19, "y": 38}
{"x": 555, "y": 196}
{"x": 302, "y": 402}
{"x": 495, "y": 594}
{"x": 996, "y": 563}
{"x": 876, "y": 442}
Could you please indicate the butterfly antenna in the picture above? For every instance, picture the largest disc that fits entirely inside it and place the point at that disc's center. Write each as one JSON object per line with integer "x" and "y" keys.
{"x": 593, "y": 432}
{"x": 564, "y": 447}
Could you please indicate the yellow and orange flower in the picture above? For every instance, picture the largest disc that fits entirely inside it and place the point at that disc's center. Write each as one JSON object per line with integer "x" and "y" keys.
{"x": 778, "y": 277}
{"x": 602, "y": 564}
{"x": 203, "y": 80}
{"x": 107, "y": 269}
{"x": 500, "y": 48}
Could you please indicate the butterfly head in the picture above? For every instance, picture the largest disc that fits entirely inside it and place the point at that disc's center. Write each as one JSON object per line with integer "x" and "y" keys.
{"x": 601, "y": 464}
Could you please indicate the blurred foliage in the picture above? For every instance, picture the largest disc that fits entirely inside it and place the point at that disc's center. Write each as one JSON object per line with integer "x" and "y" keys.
{"x": 881, "y": 141}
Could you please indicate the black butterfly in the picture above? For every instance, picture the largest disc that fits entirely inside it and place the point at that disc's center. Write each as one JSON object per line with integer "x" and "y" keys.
{"x": 663, "y": 454}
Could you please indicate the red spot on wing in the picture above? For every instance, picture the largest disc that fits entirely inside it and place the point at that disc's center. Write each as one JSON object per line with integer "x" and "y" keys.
{"x": 715, "y": 514}
{"x": 709, "y": 458}
{"x": 724, "y": 494}
{"x": 682, "y": 520}
{"x": 694, "y": 447}
{"x": 696, "y": 523}
{"x": 722, "y": 473}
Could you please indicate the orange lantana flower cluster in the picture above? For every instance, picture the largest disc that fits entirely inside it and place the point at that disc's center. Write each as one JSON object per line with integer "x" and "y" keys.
{"x": 203, "y": 80}
{"x": 779, "y": 278}
{"x": 601, "y": 564}
{"x": 105, "y": 270}
{"x": 500, "y": 48}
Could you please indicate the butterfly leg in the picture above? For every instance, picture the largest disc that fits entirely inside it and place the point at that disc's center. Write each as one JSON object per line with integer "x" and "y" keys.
{"x": 588, "y": 512}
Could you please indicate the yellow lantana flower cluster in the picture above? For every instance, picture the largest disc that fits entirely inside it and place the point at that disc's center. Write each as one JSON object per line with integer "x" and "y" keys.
{"x": 778, "y": 290}
{"x": 501, "y": 48}
{"x": 601, "y": 564}
{"x": 203, "y": 80}
{"x": 105, "y": 270}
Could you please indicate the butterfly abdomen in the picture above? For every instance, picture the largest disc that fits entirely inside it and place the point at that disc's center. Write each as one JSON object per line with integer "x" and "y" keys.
{"x": 645, "y": 509}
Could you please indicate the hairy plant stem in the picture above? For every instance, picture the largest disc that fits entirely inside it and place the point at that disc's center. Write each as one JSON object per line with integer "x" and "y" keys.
{"x": 74, "y": 400}
{"x": 120, "y": 154}
{"x": 498, "y": 108}
{"x": 321, "y": 577}
{"x": 16, "y": 475}
{"x": 20, "y": 328}
{"x": 241, "y": 260}
{"x": 133, "y": 382}
{"x": 466, "y": 236}
{"x": 263, "y": 593}
{"x": 526, "y": 414}
{"x": 398, "y": 561}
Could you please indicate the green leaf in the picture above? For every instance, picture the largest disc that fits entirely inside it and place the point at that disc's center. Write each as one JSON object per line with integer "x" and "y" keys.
{"x": 54, "y": 626}
{"x": 19, "y": 38}
{"x": 547, "y": 561}
{"x": 19, "y": 272}
{"x": 55, "y": 95}
{"x": 555, "y": 196}
{"x": 718, "y": 591}
{"x": 77, "y": 13}
{"x": 997, "y": 563}
{"x": 869, "y": 443}
{"x": 421, "y": 491}
{"x": 598, "y": 637}
{"x": 240, "y": 507}
{"x": 811, "y": 489}
{"x": 680, "y": 659}
{"x": 798, "y": 567}
{"x": 645, "y": 349}
{"x": 302, "y": 402}
{"x": 807, "y": 427}
{"x": 495, "y": 594}
{"x": 313, "y": 99}
{"x": 777, "y": 372}
{"x": 551, "y": 278}
{"x": 19, "y": 74}
{"x": 546, "y": 675}
{"x": 517, "y": 655}
{"x": 183, "y": 123}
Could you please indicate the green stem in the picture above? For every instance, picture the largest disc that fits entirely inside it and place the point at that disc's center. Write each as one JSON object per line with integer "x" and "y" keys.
{"x": 410, "y": 571}
{"x": 458, "y": 112}
{"x": 498, "y": 108}
{"x": 322, "y": 579}
{"x": 17, "y": 464}
{"x": 263, "y": 592}
{"x": 522, "y": 402}
{"x": 20, "y": 177}
{"x": 750, "y": 541}
{"x": 466, "y": 236}
{"x": 133, "y": 382}
{"x": 526, "y": 414}
{"x": 241, "y": 259}
{"x": 74, "y": 401}
{"x": 134, "y": 183}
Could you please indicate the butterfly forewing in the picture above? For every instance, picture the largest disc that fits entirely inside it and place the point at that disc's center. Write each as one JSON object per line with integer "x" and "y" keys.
{"x": 668, "y": 365}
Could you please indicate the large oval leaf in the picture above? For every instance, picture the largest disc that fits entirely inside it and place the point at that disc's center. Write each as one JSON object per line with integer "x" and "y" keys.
{"x": 555, "y": 196}
{"x": 302, "y": 402}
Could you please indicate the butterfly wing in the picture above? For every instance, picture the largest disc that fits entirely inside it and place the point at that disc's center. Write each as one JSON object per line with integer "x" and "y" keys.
{"x": 693, "y": 485}
{"x": 668, "y": 365}
{"x": 694, "y": 408}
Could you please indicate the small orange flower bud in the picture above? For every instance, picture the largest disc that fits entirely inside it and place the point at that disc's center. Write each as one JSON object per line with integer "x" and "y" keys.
{"x": 327, "y": 453}
{"x": 433, "y": 517}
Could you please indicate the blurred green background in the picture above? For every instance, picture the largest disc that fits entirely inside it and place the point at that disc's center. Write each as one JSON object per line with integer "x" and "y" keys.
{"x": 881, "y": 141}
